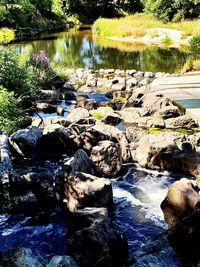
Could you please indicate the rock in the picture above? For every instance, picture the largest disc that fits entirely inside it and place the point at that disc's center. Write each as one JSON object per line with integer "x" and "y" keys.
{"x": 25, "y": 141}
{"x": 77, "y": 114}
{"x": 148, "y": 74}
{"x": 58, "y": 82}
{"x": 113, "y": 119}
{"x": 181, "y": 202}
{"x": 107, "y": 159}
{"x": 81, "y": 97}
{"x": 169, "y": 112}
{"x": 88, "y": 104}
{"x": 32, "y": 189}
{"x": 19, "y": 257}
{"x": 134, "y": 134}
{"x": 101, "y": 112}
{"x": 49, "y": 108}
{"x": 101, "y": 132}
{"x": 56, "y": 142}
{"x": 158, "y": 151}
{"x": 62, "y": 261}
{"x": 81, "y": 162}
{"x": 154, "y": 102}
{"x": 184, "y": 121}
{"x": 131, "y": 115}
{"x": 52, "y": 127}
{"x": 87, "y": 217}
{"x": 103, "y": 245}
{"x": 79, "y": 190}
{"x": 44, "y": 122}
{"x": 69, "y": 96}
{"x": 50, "y": 95}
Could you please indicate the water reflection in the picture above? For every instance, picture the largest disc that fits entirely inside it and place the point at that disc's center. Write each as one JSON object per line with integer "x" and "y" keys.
{"x": 77, "y": 49}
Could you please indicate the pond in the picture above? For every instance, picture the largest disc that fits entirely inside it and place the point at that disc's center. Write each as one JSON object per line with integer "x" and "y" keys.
{"x": 80, "y": 49}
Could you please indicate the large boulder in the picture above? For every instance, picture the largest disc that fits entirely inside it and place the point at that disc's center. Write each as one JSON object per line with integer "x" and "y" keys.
{"x": 80, "y": 190}
{"x": 134, "y": 134}
{"x": 181, "y": 212}
{"x": 55, "y": 142}
{"x": 107, "y": 159}
{"x": 157, "y": 151}
{"x": 81, "y": 162}
{"x": 184, "y": 121}
{"x": 169, "y": 112}
{"x": 154, "y": 102}
{"x": 102, "y": 132}
{"x": 131, "y": 115}
{"x": 98, "y": 245}
{"x": 25, "y": 141}
{"x": 32, "y": 188}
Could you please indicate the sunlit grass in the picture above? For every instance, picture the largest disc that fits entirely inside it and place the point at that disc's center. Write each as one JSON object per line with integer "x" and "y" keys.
{"x": 135, "y": 26}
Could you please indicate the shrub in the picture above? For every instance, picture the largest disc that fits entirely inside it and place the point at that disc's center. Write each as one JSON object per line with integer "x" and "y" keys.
{"x": 194, "y": 47}
{"x": 11, "y": 115}
{"x": 6, "y": 35}
{"x": 166, "y": 41}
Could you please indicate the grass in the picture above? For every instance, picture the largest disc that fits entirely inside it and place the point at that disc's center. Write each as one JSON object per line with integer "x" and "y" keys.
{"x": 138, "y": 23}
{"x": 166, "y": 41}
{"x": 118, "y": 100}
{"x": 191, "y": 65}
{"x": 157, "y": 131}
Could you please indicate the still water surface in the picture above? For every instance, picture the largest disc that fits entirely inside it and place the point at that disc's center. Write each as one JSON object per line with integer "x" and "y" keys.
{"x": 80, "y": 49}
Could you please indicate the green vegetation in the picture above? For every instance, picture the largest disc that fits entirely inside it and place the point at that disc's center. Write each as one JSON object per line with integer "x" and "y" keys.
{"x": 118, "y": 100}
{"x": 166, "y": 41}
{"x": 135, "y": 25}
{"x": 157, "y": 131}
{"x": 6, "y": 35}
{"x": 194, "y": 46}
{"x": 21, "y": 78}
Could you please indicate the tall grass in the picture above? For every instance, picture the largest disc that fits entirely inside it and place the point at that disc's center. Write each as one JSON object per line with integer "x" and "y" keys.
{"x": 135, "y": 25}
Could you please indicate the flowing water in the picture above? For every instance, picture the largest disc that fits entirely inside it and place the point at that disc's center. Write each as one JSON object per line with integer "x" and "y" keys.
{"x": 79, "y": 49}
{"x": 138, "y": 194}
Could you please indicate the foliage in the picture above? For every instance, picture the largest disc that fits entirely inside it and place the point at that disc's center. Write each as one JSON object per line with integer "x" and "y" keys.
{"x": 118, "y": 100}
{"x": 172, "y": 9}
{"x": 11, "y": 114}
{"x": 194, "y": 47}
{"x": 6, "y": 35}
{"x": 191, "y": 65}
{"x": 166, "y": 41}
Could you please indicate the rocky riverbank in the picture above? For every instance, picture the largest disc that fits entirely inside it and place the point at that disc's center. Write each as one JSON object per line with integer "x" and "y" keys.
{"x": 69, "y": 162}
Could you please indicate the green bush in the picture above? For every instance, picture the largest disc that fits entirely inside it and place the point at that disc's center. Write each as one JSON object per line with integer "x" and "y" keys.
{"x": 6, "y": 35}
{"x": 166, "y": 41}
{"x": 194, "y": 47}
{"x": 11, "y": 113}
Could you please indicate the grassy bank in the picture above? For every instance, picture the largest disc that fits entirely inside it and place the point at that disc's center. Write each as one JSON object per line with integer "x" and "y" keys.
{"x": 135, "y": 26}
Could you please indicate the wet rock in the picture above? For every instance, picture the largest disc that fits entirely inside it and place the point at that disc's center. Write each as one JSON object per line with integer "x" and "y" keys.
{"x": 50, "y": 95}
{"x": 69, "y": 96}
{"x": 19, "y": 257}
{"x": 25, "y": 141}
{"x": 56, "y": 142}
{"x": 62, "y": 261}
{"x": 169, "y": 112}
{"x": 107, "y": 159}
{"x": 180, "y": 211}
{"x": 77, "y": 114}
{"x": 87, "y": 217}
{"x": 79, "y": 190}
{"x": 32, "y": 189}
{"x": 184, "y": 121}
{"x": 81, "y": 162}
{"x": 103, "y": 245}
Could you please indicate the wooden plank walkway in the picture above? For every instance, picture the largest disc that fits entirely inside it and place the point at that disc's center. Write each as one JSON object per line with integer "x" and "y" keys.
{"x": 184, "y": 87}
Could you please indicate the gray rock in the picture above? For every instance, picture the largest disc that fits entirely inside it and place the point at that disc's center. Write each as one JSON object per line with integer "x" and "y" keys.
{"x": 77, "y": 114}
{"x": 81, "y": 162}
{"x": 62, "y": 261}
{"x": 25, "y": 141}
{"x": 184, "y": 121}
{"x": 134, "y": 134}
{"x": 169, "y": 112}
{"x": 103, "y": 245}
{"x": 107, "y": 159}
{"x": 51, "y": 95}
{"x": 79, "y": 190}
{"x": 32, "y": 188}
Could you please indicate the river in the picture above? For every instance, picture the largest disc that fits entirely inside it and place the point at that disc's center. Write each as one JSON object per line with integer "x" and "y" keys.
{"x": 80, "y": 49}
{"x": 139, "y": 193}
